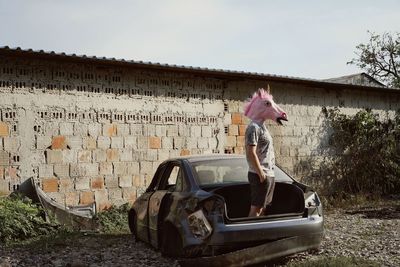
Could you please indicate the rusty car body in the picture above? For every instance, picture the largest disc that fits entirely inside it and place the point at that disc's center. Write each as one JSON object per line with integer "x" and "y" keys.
{"x": 198, "y": 206}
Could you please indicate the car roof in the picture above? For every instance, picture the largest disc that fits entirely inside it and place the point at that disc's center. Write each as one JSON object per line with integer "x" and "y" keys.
{"x": 207, "y": 157}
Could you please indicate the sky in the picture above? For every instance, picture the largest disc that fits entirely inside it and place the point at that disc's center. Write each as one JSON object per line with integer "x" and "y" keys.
{"x": 306, "y": 39}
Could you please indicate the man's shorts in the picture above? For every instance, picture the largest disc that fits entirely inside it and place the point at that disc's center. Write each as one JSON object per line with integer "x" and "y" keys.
{"x": 261, "y": 193}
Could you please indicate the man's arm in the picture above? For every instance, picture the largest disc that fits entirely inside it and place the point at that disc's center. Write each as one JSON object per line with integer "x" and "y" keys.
{"x": 252, "y": 156}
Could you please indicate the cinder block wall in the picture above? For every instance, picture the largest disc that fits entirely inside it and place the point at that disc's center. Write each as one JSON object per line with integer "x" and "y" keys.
{"x": 96, "y": 133}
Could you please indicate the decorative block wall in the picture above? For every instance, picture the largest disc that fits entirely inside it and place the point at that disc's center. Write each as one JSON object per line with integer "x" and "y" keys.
{"x": 96, "y": 133}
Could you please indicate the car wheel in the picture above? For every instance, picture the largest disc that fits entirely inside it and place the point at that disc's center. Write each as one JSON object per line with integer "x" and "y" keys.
{"x": 132, "y": 223}
{"x": 171, "y": 242}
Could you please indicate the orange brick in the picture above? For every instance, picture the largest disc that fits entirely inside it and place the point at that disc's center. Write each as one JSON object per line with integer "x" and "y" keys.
{"x": 3, "y": 129}
{"x": 50, "y": 185}
{"x": 236, "y": 118}
{"x": 242, "y": 130}
{"x": 59, "y": 142}
{"x": 110, "y": 130}
{"x": 154, "y": 142}
{"x": 97, "y": 183}
{"x": 112, "y": 154}
{"x": 86, "y": 197}
{"x": 185, "y": 152}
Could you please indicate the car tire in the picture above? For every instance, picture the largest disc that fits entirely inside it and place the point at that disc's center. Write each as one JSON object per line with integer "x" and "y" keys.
{"x": 171, "y": 242}
{"x": 132, "y": 223}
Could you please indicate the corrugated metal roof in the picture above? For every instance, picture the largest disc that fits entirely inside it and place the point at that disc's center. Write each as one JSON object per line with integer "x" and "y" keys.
{"x": 357, "y": 78}
{"x": 198, "y": 70}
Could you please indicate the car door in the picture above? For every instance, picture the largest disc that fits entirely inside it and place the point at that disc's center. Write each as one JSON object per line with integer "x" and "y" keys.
{"x": 142, "y": 205}
{"x": 167, "y": 185}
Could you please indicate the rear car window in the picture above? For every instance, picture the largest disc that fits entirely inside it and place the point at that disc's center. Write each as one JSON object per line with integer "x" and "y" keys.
{"x": 220, "y": 171}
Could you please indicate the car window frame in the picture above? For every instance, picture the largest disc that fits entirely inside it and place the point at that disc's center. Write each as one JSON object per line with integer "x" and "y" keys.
{"x": 156, "y": 178}
{"x": 162, "y": 185}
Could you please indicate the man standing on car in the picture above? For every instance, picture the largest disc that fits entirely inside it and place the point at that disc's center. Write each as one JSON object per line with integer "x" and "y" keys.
{"x": 259, "y": 149}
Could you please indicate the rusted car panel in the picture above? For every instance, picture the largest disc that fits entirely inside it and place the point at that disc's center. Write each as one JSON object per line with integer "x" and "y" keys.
{"x": 197, "y": 206}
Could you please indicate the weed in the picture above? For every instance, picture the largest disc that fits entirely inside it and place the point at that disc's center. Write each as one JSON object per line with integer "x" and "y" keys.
{"x": 20, "y": 219}
{"x": 113, "y": 220}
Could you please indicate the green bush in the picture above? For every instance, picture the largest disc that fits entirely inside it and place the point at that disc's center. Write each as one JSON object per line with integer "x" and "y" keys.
{"x": 20, "y": 219}
{"x": 364, "y": 154}
{"x": 114, "y": 220}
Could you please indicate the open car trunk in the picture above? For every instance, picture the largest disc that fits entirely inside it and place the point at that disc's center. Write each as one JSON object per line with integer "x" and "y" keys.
{"x": 287, "y": 201}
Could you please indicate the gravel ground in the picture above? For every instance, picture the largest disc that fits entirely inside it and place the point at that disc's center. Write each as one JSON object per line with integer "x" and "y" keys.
{"x": 368, "y": 233}
{"x": 372, "y": 233}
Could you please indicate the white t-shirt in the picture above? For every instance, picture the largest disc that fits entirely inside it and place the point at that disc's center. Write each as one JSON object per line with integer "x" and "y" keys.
{"x": 258, "y": 135}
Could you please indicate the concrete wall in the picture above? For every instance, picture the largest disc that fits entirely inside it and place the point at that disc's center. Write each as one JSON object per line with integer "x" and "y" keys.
{"x": 95, "y": 132}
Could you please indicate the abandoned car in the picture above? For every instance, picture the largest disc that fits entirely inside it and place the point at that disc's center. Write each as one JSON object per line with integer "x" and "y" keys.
{"x": 199, "y": 205}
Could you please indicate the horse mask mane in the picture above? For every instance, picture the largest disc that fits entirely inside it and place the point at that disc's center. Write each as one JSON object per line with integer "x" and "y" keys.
{"x": 261, "y": 107}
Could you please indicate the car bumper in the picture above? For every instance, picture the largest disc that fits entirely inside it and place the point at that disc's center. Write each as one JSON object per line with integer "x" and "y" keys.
{"x": 239, "y": 235}
{"x": 265, "y": 230}
{"x": 260, "y": 253}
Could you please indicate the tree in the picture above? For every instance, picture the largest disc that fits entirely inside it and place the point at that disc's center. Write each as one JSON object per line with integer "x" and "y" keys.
{"x": 380, "y": 58}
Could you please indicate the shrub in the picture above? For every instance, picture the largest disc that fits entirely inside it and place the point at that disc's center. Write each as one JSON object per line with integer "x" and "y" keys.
{"x": 20, "y": 219}
{"x": 364, "y": 154}
{"x": 114, "y": 220}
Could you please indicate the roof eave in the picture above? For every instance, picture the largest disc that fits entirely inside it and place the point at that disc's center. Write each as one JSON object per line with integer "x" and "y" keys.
{"x": 217, "y": 73}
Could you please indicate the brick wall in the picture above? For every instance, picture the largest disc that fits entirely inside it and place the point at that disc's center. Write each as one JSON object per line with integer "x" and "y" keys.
{"x": 92, "y": 132}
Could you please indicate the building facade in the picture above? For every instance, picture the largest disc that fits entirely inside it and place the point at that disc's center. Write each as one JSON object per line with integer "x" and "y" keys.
{"x": 93, "y": 129}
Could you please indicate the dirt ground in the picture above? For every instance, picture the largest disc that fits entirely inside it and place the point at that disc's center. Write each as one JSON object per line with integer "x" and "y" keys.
{"x": 371, "y": 233}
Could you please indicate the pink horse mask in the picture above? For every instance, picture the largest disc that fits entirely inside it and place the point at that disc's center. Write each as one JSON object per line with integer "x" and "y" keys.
{"x": 262, "y": 107}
